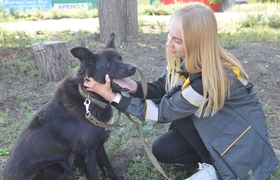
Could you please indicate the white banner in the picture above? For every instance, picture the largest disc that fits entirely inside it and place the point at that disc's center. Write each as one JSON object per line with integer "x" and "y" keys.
{"x": 69, "y": 6}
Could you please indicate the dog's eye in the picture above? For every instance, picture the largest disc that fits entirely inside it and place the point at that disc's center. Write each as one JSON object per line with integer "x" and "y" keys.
{"x": 108, "y": 64}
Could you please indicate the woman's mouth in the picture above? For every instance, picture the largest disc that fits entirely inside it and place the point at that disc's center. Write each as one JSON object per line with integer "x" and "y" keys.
{"x": 172, "y": 52}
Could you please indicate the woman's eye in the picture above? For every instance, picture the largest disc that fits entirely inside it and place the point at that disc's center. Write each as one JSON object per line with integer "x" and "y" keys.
{"x": 178, "y": 41}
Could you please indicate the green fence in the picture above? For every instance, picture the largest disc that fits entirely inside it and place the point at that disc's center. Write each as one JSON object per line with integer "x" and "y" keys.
{"x": 72, "y": 3}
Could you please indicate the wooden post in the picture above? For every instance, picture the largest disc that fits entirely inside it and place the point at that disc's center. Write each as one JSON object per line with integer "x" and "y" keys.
{"x": 52, "y": 59}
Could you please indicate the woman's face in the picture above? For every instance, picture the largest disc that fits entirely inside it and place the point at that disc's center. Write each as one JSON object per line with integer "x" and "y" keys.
{"x": 174, "y": 40}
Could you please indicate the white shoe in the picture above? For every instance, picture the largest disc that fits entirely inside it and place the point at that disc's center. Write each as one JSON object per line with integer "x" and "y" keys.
{"x": 205, "y": 172}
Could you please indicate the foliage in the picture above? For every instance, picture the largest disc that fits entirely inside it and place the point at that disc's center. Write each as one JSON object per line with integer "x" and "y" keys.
{"x": 5, "y": 16}
{"x": 158, "y": 8}
{"x": 251, "y": 28}
{"x": 4, "y": 152}
{"x": 255, "y": 7}
{"x": 252, "y": 20}
{"x": 142, "y": 168}
{"x": 273, "y": 20}
{"x": 14, "y": 39}
{"x": 34, "y": 15}
{"x": 215, "y": 1}
{"x": 267, "y": 1}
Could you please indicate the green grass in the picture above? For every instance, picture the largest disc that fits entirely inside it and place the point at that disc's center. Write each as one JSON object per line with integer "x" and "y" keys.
{"x": 255, "y": 7}
{"x": 52, "y": 14}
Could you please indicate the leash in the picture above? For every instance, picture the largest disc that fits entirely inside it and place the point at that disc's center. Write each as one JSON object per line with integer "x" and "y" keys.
{"x": 136, "y": 125}
{"x": 147, "y": 149}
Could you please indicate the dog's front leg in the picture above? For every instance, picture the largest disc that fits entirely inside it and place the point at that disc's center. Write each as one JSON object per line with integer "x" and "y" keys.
{"x": 104, "y": 163}
{"x": 91, "y": 165}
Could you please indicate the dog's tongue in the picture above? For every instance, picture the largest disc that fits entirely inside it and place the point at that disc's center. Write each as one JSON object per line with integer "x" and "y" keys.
{"x": 125, "y": 83}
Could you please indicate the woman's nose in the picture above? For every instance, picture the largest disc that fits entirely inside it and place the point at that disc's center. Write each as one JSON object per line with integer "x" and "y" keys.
{"x": 168, "y": 43}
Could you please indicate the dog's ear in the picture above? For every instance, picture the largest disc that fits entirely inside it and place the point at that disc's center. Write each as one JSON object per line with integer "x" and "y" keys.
{"x": 81, "y": 53}
{"x": 111, "y": 42}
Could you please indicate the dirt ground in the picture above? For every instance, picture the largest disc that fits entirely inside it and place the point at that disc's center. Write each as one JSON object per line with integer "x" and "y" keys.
{"x": 261, "y": 60}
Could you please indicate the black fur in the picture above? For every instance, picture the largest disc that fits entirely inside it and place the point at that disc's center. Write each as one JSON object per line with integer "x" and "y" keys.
{"x": 59, "y": 139}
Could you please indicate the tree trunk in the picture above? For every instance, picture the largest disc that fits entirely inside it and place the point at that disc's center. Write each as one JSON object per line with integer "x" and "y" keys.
{"x": 226, "y": 4}
{"x": 52, "y": 59}
{"x": 130, "y": 17}
{"x": 119, "y": 16}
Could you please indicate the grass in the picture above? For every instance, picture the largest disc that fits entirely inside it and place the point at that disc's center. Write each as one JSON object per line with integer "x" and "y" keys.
{"x": 251, "y": 28}
{"x": 262, "y": 26}
{"x": 52, "y": 14}
{"x": 255, "y": 7}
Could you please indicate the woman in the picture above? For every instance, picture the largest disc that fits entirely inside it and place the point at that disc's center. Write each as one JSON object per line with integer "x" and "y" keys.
{"x": 216, "y": 117}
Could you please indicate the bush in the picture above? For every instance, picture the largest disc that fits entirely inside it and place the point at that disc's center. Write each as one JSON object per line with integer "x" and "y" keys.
{"x": 274, "y": 20}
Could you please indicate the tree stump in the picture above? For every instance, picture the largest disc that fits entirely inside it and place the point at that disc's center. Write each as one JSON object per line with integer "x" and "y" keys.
{"x": 52, "y": 59}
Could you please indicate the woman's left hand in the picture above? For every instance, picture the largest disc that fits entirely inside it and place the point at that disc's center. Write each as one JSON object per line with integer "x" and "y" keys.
{"x": 103, "y": 90}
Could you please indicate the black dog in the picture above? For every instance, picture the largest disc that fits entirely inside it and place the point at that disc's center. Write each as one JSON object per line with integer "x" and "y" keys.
{"x": 59, "y": 139}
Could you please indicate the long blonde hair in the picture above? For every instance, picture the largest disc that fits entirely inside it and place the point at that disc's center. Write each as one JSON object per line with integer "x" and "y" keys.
{"x": 203, "y": 53}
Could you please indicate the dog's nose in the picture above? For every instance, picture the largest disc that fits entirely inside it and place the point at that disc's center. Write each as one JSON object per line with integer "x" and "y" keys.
{"x": 132, "y": 69}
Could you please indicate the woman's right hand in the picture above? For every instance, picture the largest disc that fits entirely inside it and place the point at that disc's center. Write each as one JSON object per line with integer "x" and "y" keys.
{"x": 103, "y": 90}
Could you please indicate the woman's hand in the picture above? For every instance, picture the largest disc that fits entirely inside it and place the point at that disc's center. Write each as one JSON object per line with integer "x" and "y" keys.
{"x": 103, "y": 90}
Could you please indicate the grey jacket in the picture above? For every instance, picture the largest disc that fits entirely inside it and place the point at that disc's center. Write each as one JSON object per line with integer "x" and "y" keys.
{"x": 236, "y": 136}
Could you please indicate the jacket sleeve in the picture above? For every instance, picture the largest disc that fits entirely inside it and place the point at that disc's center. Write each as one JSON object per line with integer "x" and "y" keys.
{"x": 156, "y": 89}
{"x": 181, "y": 104}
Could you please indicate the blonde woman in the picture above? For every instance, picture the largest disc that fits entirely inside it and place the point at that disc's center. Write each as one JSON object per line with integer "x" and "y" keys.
{"x": 216, "y": 118}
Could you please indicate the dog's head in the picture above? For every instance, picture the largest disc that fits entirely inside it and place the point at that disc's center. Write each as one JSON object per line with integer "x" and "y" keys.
{"x": 106, "y": 61}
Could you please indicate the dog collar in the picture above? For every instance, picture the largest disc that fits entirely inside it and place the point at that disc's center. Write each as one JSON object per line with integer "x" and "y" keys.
{"x": 93, "y": 100}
